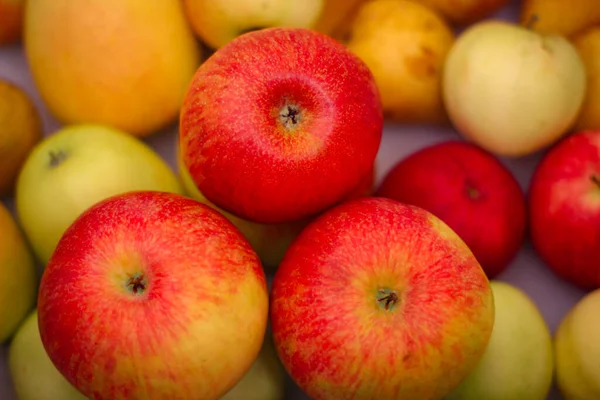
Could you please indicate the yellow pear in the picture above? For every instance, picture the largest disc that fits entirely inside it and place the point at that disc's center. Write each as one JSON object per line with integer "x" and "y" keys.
{"x": 219, "y": 22}
{"x": 335, "y": 14}
{"x": 588, "y": 45}
{"x": 559, "y": 16}
{"x": 18, "y": 276}
{"x": 123, "y": 63}
{"x": 20, "y": 130}
{"x": 404, "y": 43}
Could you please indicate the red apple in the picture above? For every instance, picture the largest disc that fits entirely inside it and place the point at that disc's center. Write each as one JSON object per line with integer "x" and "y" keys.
{"x": 280, "y": 124}
{"x": 376, "y": 299}
{"x": 11, "y": 21}
{"x": 470, "y": 190}
{"x": 564, "y": 209}
{"x": 152, "y": 295}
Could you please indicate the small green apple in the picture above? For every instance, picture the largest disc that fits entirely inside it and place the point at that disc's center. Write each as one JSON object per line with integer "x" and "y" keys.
{"x": 518, "y": 361}
{"x": 74, "y": 168}
{"x": 18, "y": 277}
{"x": 33, "y": 375}
{"x": 577, "y": 350}
{"x": 265, "y": 380}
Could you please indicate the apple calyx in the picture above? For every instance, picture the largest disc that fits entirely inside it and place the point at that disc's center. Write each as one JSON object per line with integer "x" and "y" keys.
{"x": 137, "y": 284}
{"x": 57, "y": 158}
{"x": 387, "y": 299}
{"x": 595, "y": 179}
{"x": 472, "y": 192}
{"x": 290, "y": 116}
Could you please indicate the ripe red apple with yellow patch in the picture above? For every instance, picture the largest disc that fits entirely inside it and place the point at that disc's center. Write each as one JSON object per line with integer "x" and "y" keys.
{"x": 280, "y": 124}
{"x": 377, "y": 299}
{"x": 471, "y": 191}
{"x": 152, "y": 295}
{"x": 564, "y": 208}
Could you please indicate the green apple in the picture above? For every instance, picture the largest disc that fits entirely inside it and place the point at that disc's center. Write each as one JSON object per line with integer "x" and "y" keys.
{"x": 18, "y": 275}
{"x": 577, "y": 350}
{"x": 33, "y": 375}
{"x": 219, "y": 22}
{"x": 518, "y": 361}
{"x": 265, "y": 380}
{"x": 511, "y": 90}
{"x": 76, "y": 167}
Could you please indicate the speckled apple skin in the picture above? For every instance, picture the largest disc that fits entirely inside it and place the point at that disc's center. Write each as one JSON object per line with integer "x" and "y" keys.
{"x": 333, "y": 336}
{"x": 245, "y": 160}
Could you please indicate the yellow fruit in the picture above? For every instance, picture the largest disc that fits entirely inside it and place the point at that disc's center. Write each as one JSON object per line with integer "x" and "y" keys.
{"x": 123, "y": 63}
{"x": 76, "y": 167}
{"x": 335, "y": 14}
{"x": 404, "y": 43}
{"x": 18, "y": 276}
{"x": 20, "y": 130}
{"x": 588, "y": 47}
{"x": 559, "y": 16}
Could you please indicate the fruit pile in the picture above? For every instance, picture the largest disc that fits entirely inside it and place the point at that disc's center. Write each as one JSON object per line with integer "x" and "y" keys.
{"x": 272, "y": 254}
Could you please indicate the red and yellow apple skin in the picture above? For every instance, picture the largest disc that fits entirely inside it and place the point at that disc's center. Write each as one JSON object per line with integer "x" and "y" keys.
{"x": 376, "y": 299}
{"x": 280, "y": 124}
{"x": 470, "y": 190}
{"x": 564, "y": 209}
{"x": 152, "y": 295}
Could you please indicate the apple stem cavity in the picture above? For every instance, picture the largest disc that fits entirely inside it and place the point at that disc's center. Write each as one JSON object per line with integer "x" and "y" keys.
{"x": 290, "y": 116}
{"x": 137, "y": 284}
{"x": 387, "y": 299}
{"x": 57, "y": 158}
{"x": 594, "y": 178}
{"x": 473, "y": 193}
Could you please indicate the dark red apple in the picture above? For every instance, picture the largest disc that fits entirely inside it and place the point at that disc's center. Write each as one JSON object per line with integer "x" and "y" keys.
{"x": 280, "y": 124}
{"x": 564, "y": 209}
{"x": 469, "y": 189}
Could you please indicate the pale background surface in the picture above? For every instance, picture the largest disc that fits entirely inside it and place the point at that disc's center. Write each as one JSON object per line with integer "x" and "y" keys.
{"x": 553, "y": 296}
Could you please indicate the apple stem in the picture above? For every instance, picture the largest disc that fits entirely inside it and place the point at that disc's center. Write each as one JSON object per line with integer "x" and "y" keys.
{"x": 387, "y": 297}
{"x": 56, "y": 158}
{"x": 137, "y": 284}
{"x": 595, "y": 179}
{"x": 532, "y": 21}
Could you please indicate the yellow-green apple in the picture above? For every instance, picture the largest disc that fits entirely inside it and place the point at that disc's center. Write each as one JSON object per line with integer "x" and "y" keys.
{"x": 266, "y": 379}
{"x": 270, "y": 241}
{"x": 153, "y": 295}
{"x": 518, "y": 362}
{"x": 122, "y": 63}
{"x": 280, "y": 124}
{"x": 33, "y": 375}
{"x": 587, "y": 44}
{"x": 11, "y": 21}
{"x": 562, "y": 17}
{"x": 18, "y": 275}
{"x": 465, "y": 12}
{"x": 219, "y": 22}
{"x": 377, "y": 299}
{"x": 577, "y": 350}
{"x": 404, "y": 43}
{"x": 471, "y": 191}
{"x": 564, "y": 214}
{"x": 77, "y": 166}
{"x": 511, "y": 90}
{"x": 21, "y": 130}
